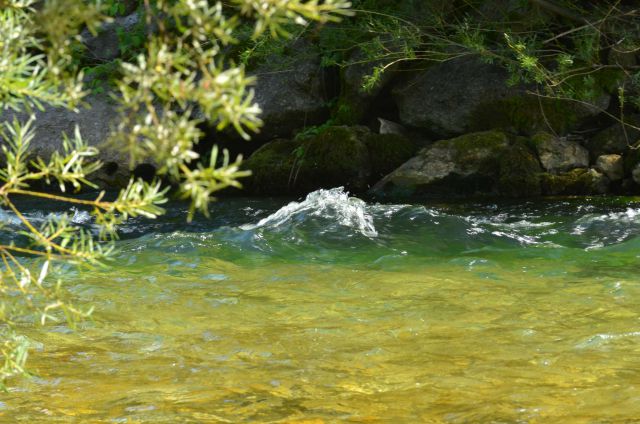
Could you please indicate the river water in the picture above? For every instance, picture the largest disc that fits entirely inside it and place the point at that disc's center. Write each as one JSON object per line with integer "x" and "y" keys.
{"x": 330, "y": 309}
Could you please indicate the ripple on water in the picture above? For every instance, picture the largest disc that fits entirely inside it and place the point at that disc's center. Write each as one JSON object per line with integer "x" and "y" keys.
{"x": 332, "y": 309}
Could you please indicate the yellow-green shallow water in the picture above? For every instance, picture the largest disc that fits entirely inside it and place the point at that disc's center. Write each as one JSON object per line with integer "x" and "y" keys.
{"x": 332, "y": 310}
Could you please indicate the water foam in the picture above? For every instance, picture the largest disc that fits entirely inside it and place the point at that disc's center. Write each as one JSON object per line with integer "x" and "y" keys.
{"x": 334, "y": 205}
{"x": 74, "y": 215}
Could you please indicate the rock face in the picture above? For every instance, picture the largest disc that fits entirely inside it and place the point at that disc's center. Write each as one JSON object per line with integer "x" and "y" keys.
{"x": 559, "y": 155}
{"x": 352, "y": 157}
{"x": 464, "y": 95}
{"x": 489, "y": 163}
{"x": 272, "y": 168}
{"x": 463, "y": 165}
{"x": 336, "y": 157}
{"x": 94, "y": 123}
{"x": 577, "y": 181}
{"x": 520, "y": 172}
{"x": 106, "y": 44}
{"x": 615, "y": 139}
{"x": 387, "y": 152}
{"x": 290, "y": 93}
{"x": 611, "y": 165}
{"x": 443, "y": 98}
{"x": 355, "y": 99}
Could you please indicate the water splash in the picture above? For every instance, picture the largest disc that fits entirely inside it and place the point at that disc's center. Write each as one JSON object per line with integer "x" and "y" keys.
{"x": 333, "y": 205}
{"x": 75, "y": 216}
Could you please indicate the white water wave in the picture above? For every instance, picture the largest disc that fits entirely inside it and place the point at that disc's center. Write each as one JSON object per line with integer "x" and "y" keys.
{"x": 334, "y": 205}
{"x": 630, "y": 216}
{"x": 75, "y": 216}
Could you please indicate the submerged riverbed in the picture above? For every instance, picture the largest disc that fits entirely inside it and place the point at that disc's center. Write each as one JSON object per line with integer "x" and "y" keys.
{"x": 331, "y": 309}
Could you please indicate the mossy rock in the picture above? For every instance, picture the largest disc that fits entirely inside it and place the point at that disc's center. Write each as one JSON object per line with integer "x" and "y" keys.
{"x": 520, "y": 172}
{"x": 527, "y": 114}
{"x": 557, "y": 154}
{"x": 347, "y": 112}
{"x": 462, "y": 166}
{"x": 478, "y": 154}
{"x": 615, "y": 139}
{"x": 470, "y": 144}
{"x": 271, "y": 166}
{"x": 387, "y": 152}
{"x": 337, "y": 156}
{"x": 580, "y": 181}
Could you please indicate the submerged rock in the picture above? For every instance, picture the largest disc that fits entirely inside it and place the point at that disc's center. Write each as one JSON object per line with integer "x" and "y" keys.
{"x": 577, "y": 181}
{"x": 464, "y": 165}
{"x": 559, "y": 155}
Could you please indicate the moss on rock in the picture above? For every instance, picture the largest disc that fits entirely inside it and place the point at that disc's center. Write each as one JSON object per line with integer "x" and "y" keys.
{"x": 387, "y": 152}
{"x": 519, "y": 172}
{"x": 462, "y": 166}
{"x": 578, "y": 181}
{"x": 479, "y": 152}
{"x": 527, "y": 114}
{"x": 557, "y": 154}
{"x": 616, "y": 139}
{"x": 335, "y": 157}
{"x": 271, "y": 166}
{"x": 468, "y": 145}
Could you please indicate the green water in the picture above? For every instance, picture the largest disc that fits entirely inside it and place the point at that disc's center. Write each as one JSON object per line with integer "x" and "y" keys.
{"x": 333, "y": 310}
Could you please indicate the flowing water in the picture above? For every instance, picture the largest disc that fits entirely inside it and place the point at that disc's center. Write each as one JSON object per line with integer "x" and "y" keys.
{"x": 331, "y": 309}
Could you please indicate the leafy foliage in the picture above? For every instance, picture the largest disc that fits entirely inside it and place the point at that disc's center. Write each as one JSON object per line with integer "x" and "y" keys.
{"x": 577, "y": 51}
{"x": 171, "y": 80}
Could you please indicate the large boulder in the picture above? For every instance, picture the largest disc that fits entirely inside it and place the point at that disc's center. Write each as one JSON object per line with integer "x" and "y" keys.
{"x": 272, "y": 168}
{"x": 465, "y": 165}
{"x": 289, "y": 90}
{"x": 558, "y": 154}
{"x": 519, "y": 172}
{"x": 352, "y": 157}
{"x": 611, "y": 165}
{"x": 463, "y": 95}
{"x": 616, "y": 139}
{"x": 337, "y": 156}
{"x": 357, "y": 93}
{"x": 94, "y": 122}
{"x": 387, "y": 152}
{"x": 577, "y": 181}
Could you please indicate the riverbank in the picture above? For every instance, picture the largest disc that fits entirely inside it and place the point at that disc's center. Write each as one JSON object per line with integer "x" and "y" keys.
{"x": 361, "y": 104}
